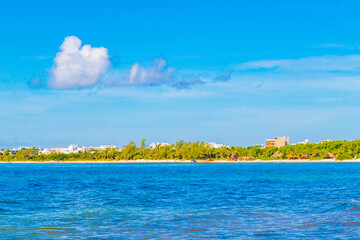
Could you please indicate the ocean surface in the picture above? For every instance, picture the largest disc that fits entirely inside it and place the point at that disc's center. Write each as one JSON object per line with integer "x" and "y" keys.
{"x": 180, "y": 201}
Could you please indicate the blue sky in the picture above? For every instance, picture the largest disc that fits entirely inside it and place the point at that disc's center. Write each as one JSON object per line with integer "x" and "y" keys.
{"x": 233, "y": 72}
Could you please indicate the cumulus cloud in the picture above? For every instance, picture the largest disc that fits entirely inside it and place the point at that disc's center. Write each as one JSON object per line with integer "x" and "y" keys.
{"x": 157, "y": 74}
{"x": 77, "y": 66}
{"x": 321, "y": 64}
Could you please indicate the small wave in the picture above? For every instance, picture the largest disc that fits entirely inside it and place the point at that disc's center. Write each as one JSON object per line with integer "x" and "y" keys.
{"x": 51, "y": 228}
{"x": 195, "y": 230}
{"x": 9, "y": 202}
{"x": 356, "y": 207}
{"x": 36, "y": 233}
{"x": 352, "y": 224}
{"x": 307, "y": 226}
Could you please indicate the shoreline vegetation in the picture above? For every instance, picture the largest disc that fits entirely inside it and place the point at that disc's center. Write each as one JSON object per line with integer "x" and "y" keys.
{"x": 330, "y": 151}
{"x": 190, "y": 161}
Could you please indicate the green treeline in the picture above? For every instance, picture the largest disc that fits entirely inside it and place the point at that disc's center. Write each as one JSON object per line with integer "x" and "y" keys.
{"x": 200, "y": 151}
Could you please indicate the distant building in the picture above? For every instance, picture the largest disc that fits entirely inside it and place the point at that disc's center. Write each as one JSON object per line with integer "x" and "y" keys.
{"x": 13, "y": 151}
{"x": 108, "y": 147}
{"x": 73, "y": 148}
{"x": 84, "y": 149}
{"x": 217, "y": 145}
{"x": 156, "y": 144}
{"x": 47, "y": 151}
{"x": 304, "y": 142}
{"x": 277, "y": 142}
{"x": 70, "y": 149}
{"x": 327, "y": 140}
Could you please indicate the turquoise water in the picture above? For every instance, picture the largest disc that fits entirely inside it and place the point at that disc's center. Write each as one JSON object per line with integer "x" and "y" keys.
{"x": 177, "y": 201}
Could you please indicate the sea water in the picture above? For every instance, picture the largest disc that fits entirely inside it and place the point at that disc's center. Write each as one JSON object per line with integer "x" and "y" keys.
{"x": 180, "y": 201}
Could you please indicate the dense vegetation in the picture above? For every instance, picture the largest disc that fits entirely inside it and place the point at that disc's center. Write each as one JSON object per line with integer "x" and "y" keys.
{"x": 201, "y": 151}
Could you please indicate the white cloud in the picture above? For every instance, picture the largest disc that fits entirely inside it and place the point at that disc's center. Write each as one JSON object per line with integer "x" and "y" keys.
{"x": 320, "y": 64}
{"x": 78, "y": 67}
{"x": 157, "y": 74}
{"x": 335, "y": 45}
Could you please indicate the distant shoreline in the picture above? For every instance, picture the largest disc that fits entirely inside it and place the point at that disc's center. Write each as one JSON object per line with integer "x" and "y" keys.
{"x": 198, "y": 161}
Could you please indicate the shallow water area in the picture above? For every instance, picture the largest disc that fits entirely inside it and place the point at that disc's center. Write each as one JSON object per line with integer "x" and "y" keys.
{"x": 180, "y": 200}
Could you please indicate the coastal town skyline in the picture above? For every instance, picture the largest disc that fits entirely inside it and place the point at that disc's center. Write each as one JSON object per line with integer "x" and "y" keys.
{"x": 75, "y": 148}
{"x": 276, "y": 149}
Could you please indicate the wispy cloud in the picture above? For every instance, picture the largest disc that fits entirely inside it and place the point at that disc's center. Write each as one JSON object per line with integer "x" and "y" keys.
{"x": 36, "y": 82}
{"x": 187, "y": 82}
{"x": 40, "y": 57}
{"x": 335, "y": 45}
{"x": 322, "y": 64}
{"x": 223, "y": 76}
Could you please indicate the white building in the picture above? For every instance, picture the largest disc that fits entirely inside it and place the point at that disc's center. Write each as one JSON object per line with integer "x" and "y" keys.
{"x": 304, "y": 142}
{"x": 103, "y": 147}
{"x": 47, "y": 151}
{"x": 153, "y": 145}
{"x": 84, "y": 149}
{"x": 216, "y": 145}
{"x": 156, "y": 144}
{"x": 68, "y": 150}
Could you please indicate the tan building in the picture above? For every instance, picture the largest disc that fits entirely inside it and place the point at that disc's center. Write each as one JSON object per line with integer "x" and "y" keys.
{"x": 277, "y": 142}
